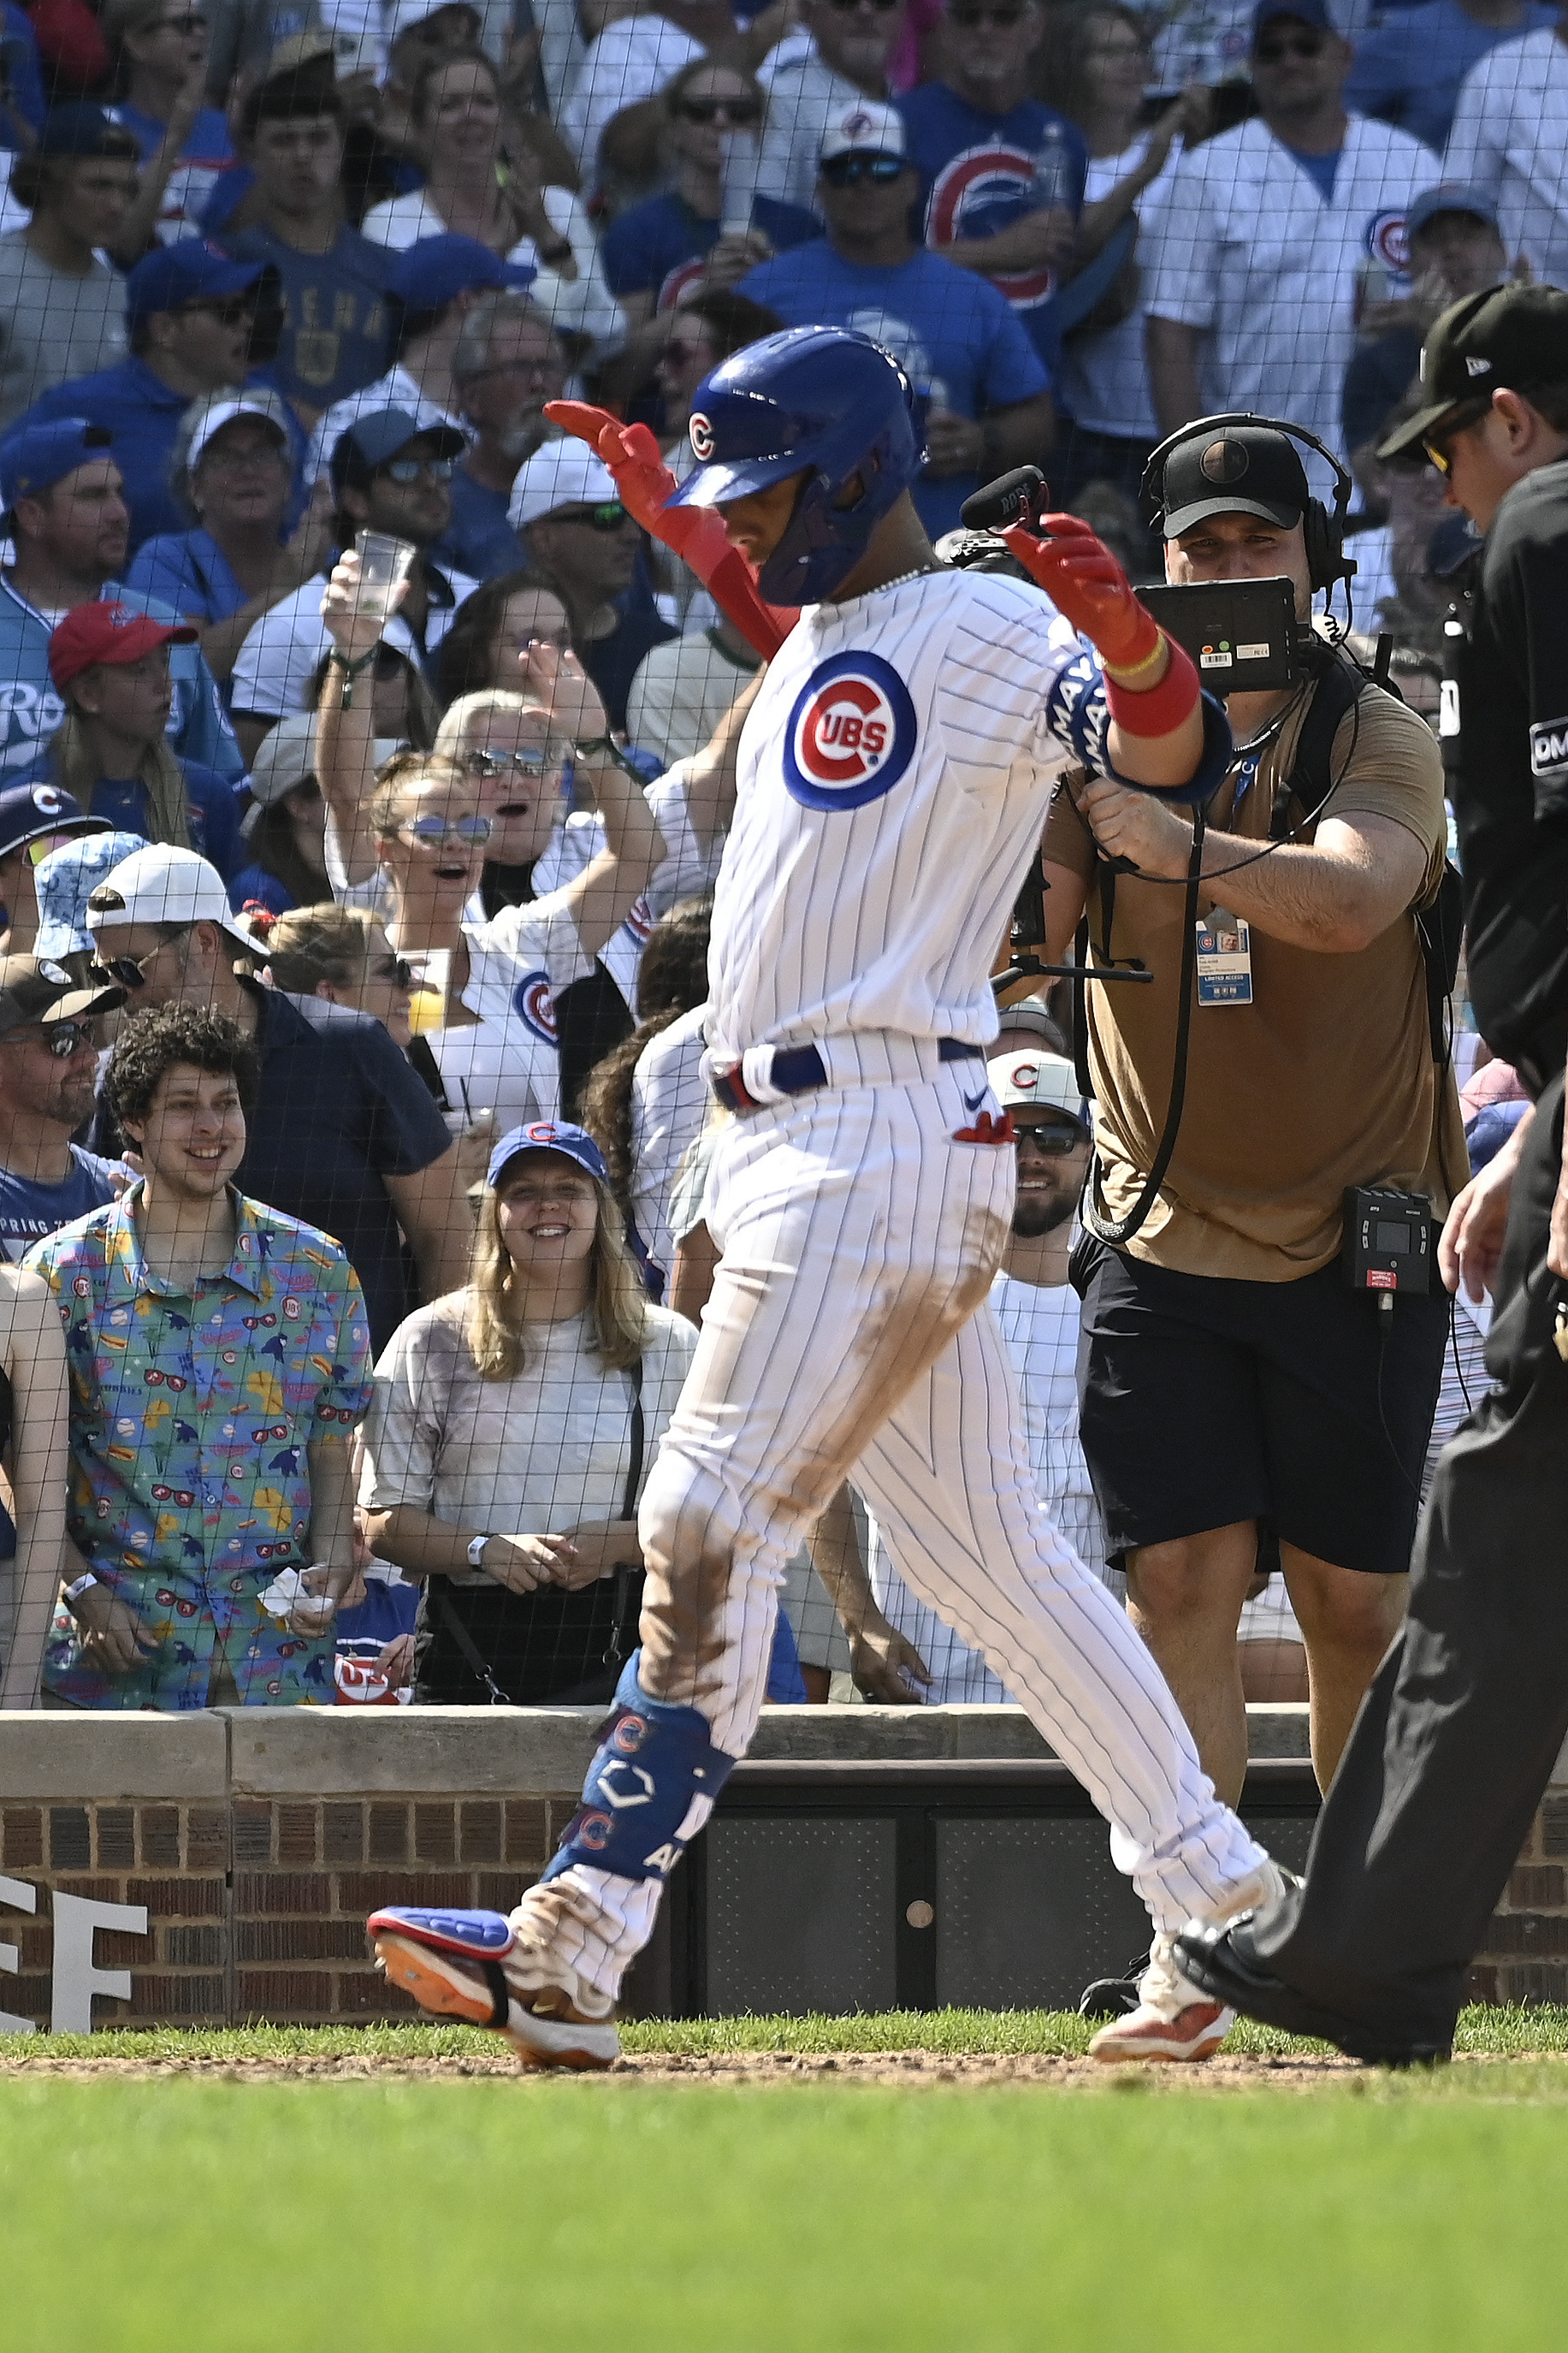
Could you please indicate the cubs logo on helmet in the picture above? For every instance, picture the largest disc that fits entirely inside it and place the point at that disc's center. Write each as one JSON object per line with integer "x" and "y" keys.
{"x": 1388, "y": 241}
{"x": 700, "y": 432}
{"x": 49, "y": 800}
{"x": 851, "y": 734}
{"x": 533, "y": 999}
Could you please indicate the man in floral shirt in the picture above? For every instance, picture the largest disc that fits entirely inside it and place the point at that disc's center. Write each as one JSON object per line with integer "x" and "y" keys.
{"x": 219, "y": 1360}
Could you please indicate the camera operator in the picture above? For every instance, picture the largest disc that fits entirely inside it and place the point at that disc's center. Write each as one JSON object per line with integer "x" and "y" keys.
{"x": 1466, "y": 1717}
{"x": 1234, "y": 1388}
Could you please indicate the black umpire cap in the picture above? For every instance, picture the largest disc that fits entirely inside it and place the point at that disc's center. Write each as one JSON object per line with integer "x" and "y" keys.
{"x": 1506, "y": 337}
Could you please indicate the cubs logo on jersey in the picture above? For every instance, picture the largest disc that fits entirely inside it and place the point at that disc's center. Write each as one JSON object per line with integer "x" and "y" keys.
{"x": 981, "y": 191}
{"x": 1388, "y": 241}
{"x": 851, "y": 734}
{"x": 531, "y": 999}
{"x": 678, "y": 282}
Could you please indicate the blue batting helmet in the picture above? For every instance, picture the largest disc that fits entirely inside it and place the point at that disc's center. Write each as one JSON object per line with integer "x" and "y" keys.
{"x": 822, "y": 401}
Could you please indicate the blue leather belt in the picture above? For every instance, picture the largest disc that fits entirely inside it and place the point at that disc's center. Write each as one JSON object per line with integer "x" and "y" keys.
{"x": 796, "y": 1069}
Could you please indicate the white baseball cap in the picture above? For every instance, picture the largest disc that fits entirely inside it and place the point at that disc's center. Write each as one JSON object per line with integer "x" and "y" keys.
{"x": 162, "y": 885}
{"x": 864, "y": 128}
{"x": 1048, "y": 1080}
{"x": 559, "y": 474}
{"x": 213, "y": 416}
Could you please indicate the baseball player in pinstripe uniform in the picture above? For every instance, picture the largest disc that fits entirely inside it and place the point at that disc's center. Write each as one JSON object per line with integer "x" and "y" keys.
{"x": 893, "y": 781}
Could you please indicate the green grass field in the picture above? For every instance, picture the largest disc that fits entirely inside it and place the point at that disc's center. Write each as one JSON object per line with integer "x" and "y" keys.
{"x": 1286, "y": 2206}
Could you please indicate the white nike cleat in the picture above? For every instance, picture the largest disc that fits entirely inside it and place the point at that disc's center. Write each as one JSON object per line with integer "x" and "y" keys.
{"x": 1174, "y": 2021}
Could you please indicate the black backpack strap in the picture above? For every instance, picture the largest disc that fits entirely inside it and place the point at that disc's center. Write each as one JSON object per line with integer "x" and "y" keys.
{"x": 1438, "y": 924}
{"x": 472, "y": 1656}
{"x": 629, "y": 1577}
{"x": 639, "y": 1443}
{"x": 1309, "y": 778}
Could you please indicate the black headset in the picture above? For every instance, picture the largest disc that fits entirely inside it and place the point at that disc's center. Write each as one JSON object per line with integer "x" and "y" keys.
{"x": 1324, "y": 534}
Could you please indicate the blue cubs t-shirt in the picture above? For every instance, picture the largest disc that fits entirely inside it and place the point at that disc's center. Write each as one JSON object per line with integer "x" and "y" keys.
{"x": 655, "y": 247}
{"x": 336, "y": 334}
{"x": 31, "y": 1212}
{"x": 976, "y": 176}
{"x": 961, "y": 346}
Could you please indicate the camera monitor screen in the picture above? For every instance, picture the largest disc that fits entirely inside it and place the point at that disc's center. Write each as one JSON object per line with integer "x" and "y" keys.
{"x": 1241, "y": 634}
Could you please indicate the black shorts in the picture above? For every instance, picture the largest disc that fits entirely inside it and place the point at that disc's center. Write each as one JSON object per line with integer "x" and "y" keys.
{"x": 1207, "y": 1401}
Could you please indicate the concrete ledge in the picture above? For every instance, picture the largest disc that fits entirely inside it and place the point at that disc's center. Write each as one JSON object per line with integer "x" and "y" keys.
{"x": 88, "y": 1757}
{"x": 313, "y": 1752}
{"x": 504, "y": 1751}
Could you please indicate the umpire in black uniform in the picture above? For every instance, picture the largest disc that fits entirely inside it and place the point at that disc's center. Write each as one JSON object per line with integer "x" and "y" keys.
{"x": 1457, "y": 1735}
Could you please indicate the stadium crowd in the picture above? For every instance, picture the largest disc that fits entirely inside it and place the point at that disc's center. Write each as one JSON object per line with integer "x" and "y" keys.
{"x": 368, "y": 767}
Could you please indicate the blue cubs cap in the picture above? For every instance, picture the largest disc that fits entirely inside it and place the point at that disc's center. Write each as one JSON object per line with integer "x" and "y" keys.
{"x": 35, "y": 812}
{"x": 37, "y": 457}
{"x": 547, "y": 1136}
{"x": 434, "y": 271}
{"x": 190, "y": 271}
{"x": 81, "y": 128}
{"x": 1303, "y": 12}
{"x": 1450, "y": 196}
{"x": 374, "y": 438}
{"x": 63, "y": 882}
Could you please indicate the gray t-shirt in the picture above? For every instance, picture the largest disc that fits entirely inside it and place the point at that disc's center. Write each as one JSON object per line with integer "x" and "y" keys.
{"x": 526, "y": 1456}
{"x": 53, "y": 326}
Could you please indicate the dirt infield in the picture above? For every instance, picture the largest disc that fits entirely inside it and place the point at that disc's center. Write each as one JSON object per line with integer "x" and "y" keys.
{"x": 910, "y": 2069}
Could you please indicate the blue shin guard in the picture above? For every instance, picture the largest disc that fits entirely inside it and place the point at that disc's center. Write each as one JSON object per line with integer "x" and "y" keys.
{"x": 653, "y": 1783}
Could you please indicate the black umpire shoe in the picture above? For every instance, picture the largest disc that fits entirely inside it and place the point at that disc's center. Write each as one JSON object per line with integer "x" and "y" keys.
{"x": 1209, "y": 1958}
{"x": 1114, "y": 1997}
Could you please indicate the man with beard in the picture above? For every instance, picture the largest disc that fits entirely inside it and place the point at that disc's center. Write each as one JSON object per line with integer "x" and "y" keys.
{"x": 508, "y": 363}
{"x": 1037, "y": 1309}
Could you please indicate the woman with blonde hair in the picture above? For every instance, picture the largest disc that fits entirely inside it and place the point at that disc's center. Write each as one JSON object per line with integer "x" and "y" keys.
{"x": 419, "y": 852}
{"x": 342, "y": 955}
{"x": 512, "y": 1428}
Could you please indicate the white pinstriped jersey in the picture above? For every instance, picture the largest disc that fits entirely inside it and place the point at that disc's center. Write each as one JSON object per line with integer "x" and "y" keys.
{"x": 893, "y": 772}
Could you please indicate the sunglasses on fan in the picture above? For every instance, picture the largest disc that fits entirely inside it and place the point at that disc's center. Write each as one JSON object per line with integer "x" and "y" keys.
{"x": 741, "y": 112}
{"x": 850, "y": 171}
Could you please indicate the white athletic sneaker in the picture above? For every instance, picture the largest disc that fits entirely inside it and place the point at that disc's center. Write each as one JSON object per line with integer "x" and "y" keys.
{"x": 1173, "y": 2020}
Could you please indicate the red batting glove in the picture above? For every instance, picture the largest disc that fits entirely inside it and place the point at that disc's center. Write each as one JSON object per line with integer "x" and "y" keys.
{"x": 694, "y": 534}
{"x": 1087, "y": 584}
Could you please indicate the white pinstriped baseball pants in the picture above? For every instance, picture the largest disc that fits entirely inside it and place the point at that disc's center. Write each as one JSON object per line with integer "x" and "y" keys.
{"x": 849, "y": 1331}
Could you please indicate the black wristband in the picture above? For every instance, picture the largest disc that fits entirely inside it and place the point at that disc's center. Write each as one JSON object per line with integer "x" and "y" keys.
{"x": 337, "y": 659}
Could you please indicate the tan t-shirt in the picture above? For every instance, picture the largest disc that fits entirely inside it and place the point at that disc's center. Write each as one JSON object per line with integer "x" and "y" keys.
{"x": 1325, "y": 1080}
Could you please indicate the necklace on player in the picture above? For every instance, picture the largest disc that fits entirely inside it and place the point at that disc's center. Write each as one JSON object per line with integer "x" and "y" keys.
{"x": 918, "y": 573}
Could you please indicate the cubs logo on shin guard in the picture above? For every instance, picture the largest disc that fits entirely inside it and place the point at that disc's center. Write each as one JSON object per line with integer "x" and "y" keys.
{"x": 654, "y": 1779}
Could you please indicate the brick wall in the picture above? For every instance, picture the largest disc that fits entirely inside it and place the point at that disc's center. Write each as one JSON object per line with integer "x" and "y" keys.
{"x": 257, "y": 1909}
{"x": 257, "y": 1840}
{"x": 1526, "y": 1955}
